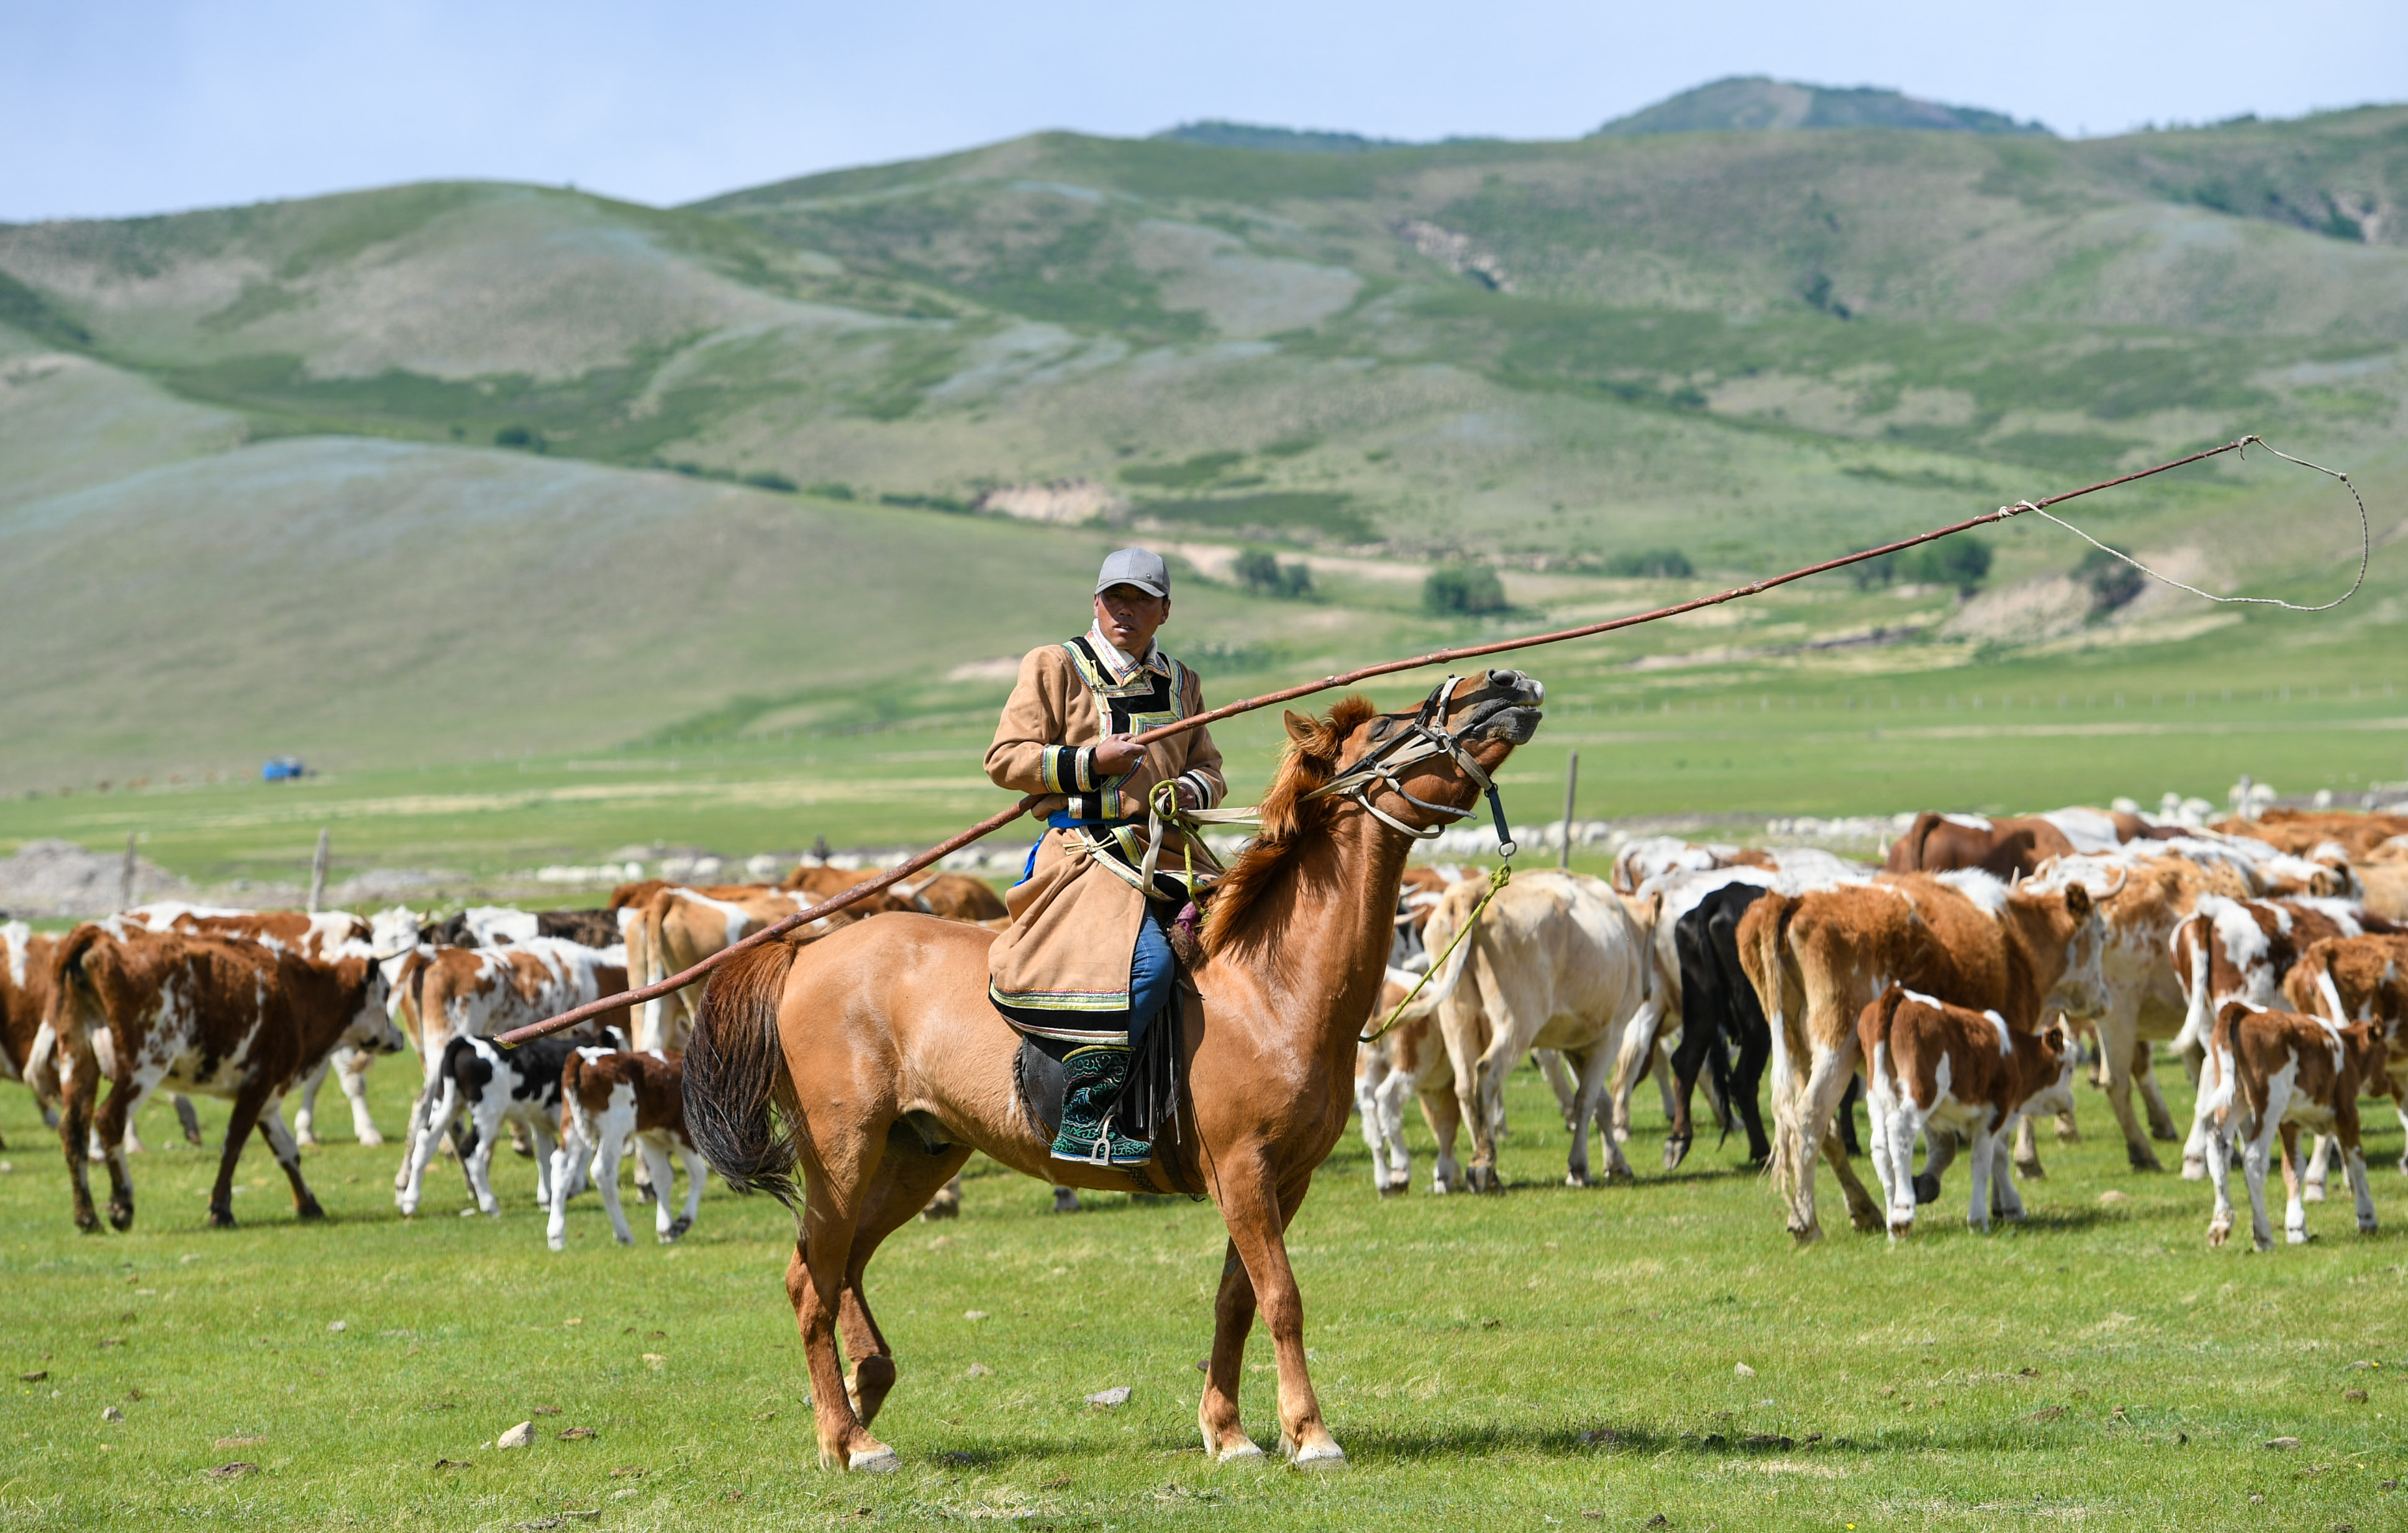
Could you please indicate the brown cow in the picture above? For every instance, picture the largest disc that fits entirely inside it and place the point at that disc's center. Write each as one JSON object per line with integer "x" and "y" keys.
{"x": 2283, "y": 1069}
{"x": 608, "y": 1098}
{"x": 2004, "y": 848}
{"x": 677, "y": 926}
{"x": 2300, "y": 832}
{"x": 218, "y": 1016}
{"x": 1817, "y": 960}
{"x": 955, "y": 897}
{"x": 1929, "y": 1065}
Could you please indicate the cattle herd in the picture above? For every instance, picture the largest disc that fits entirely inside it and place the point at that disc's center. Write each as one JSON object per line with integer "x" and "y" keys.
{"x": 251, "y": 1005}
{"x": 1957, "y": 991}
{"x": 1955, "y": 988}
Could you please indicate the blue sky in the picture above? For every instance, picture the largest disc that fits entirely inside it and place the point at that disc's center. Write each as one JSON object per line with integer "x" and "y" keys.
{"x": 141, "y": 106}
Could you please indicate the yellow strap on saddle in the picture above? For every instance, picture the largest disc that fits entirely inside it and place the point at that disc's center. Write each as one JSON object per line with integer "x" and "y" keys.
{"x": 1497, "y": 880}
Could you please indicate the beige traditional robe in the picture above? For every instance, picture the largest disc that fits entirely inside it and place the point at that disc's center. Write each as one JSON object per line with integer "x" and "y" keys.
{"x": 1062, "y": 968}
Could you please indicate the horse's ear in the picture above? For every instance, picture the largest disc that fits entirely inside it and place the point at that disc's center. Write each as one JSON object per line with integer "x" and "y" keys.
{"x": 1301, "y": 729}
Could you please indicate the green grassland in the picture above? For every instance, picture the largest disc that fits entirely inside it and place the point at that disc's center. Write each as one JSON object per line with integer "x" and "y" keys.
{"x": 1546, "y": 1357}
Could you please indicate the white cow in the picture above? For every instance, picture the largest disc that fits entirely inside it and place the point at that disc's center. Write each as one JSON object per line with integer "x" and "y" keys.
{"x": 1558, "y": 961}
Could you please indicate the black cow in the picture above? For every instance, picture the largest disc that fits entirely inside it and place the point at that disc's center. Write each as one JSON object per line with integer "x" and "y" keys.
{"x": 487, "y": 1086}
{"x": 1720, "y": 1015}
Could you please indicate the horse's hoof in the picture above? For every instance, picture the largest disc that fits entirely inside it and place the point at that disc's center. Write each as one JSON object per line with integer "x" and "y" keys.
{"x": 1243, "y": 1448}
{"x": 1321, "y": 1456}
{"x": 880, "y": 1460}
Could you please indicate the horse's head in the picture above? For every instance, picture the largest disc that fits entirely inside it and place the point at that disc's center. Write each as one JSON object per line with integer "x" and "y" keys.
{"x": 1422, "y": 768}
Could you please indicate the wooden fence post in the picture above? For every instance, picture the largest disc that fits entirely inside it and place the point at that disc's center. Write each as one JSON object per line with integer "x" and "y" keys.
{"x": 318, "y": 872}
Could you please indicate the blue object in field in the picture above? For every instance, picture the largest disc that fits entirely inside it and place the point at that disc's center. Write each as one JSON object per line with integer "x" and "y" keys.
{"x": 283, "y": 769}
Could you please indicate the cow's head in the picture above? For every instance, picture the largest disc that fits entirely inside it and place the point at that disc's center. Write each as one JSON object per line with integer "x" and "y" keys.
{"x": 2059, "y": 1060}
{"x": 370, "y": 1026}
{"x": 2081, "y": 989}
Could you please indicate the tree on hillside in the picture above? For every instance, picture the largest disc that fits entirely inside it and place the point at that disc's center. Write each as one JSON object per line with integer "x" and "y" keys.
{"x": 1263, "y": 575}
{"x": 1470, "y": 589}
{"x": 1652, "y": 563}
{"x": 2112, "y": 582}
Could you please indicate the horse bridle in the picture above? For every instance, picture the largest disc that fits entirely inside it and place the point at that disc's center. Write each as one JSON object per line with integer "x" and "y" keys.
{"x": 1425, "y": 735}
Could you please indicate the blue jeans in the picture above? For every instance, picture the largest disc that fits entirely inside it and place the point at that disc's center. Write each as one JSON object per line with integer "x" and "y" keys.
{"x": 1151, "y": 972}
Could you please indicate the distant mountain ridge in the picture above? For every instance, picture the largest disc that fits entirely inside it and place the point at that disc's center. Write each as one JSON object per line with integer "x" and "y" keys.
{"x": 1220, "y": 134}
{"x": 1756, "y": 103}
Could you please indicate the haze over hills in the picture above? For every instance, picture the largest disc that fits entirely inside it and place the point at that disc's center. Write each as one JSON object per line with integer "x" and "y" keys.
{"x": 448, "y": 432}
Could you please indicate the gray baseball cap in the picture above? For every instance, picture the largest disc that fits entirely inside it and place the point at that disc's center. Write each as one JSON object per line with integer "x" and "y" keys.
{"x": 1141, "y": 567}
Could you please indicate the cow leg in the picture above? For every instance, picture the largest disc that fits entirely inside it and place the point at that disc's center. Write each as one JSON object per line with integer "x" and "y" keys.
{"x": 1440, "y": 1109}
{"x": 1663, "y": 1061}
{"x": 2144, "y": 1076}
{"x": 571, "y": 1151}
{"x": 1388, "y": 1102}
{"x": 1893, "y": 1128}
{"x": 2254, "y": 1156}
{"x": 352, "y": 1074}
{"x": 2400, "y": 1105}
{"x": 698, "y": 1171}
{"x": 1984, "y": 1150}
{"x": 1689, "y": 1062}
{"x": 1939, "y": 1152}
{"x": 305, "y": 1122}
{"x": 239, "y": 1125}
{"x": 2353, "y": 1161}
{"x": 1832, "y": 1071}
{"x": 432, "y": 1056}
{"x": 656, "y": 1157}
{"x": 2219, "y": 1171}
{"x": 1559, "y": 1079}
{"x": 546, "y": 1137}
{"x": 2005, "y": 1202}
{"x": 79, "y": 1086}
{"x": 1845, "y": 1117}
{"x": 186, "y": 1117}
{"x": 2119, "y": 1045}
{"x": 1747, "y": 1080}
{"x": 2312, "y": 1187}
{"x": 282, "y": 1145}
{"x": 2295, "y": 1208}
{"x": 1592, "y": 1065}
{"x": 487, "y": 1116}
{"x": 1371, "y": 1075}
{"x": 613, "y": 1136}
{"x": 423, "y": 1140}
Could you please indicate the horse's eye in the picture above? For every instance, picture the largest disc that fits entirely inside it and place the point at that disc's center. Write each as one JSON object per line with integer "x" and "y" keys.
{"x": 1383, "y": 727}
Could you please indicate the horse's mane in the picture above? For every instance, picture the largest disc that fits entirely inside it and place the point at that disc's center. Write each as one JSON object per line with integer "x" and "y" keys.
{"x": 1291, "y": 820}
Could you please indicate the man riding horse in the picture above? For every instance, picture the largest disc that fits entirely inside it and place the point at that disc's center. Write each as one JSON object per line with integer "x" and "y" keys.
{"x": 1087, "y": 965}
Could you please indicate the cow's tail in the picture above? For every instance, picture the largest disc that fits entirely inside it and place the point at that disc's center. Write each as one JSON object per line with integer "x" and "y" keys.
{"x": 74, "y": 1006}
{"x": 734, "y": 1066}
{"x": 1444, "y": 923}
{"x": 1762, "y": 962}
{"x": 2199, "y": 1017}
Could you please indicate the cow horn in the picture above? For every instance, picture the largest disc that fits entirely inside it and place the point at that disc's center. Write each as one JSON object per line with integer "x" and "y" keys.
{"x": 2123, "y": 877}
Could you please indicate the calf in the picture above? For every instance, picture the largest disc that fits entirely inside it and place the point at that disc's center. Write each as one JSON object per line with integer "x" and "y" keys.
{"x": 1408, "y": 1060}
{"x": 609, "y": 1097}
{"x": 2358, "y": 979}
{"x": 1935, "y": 1065}
{"x": 2282, "y": 1069}
{"x": 218, "y": 1016}
{"x": 1817, "y": 960}
{"x": 490, "y": 1086}
{"x": 2230, "y": 949}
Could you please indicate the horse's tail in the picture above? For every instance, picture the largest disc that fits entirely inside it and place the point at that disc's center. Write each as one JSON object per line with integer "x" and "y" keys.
{"x": 733, "y": 1064}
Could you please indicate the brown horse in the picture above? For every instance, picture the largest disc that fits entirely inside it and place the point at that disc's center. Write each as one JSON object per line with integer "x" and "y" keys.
{"x": 886, "y": 1066}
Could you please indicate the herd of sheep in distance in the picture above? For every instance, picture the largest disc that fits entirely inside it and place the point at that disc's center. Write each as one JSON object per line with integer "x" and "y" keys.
{"x": 1958, "y": 989}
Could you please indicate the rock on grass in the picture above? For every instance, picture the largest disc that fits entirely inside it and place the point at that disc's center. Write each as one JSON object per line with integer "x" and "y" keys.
{"x": 521, "y": 1436}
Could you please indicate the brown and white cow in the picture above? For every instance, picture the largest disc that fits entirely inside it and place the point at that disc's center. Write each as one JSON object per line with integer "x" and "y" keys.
{"x": 1817, "y": 961}
{"x": 2231, "y": 949}
{"x": 216, "y": 1016}
{"x": 29, "y": 1049}
{"x": 2276, "y": 1072}
{"x": 2358, "y": 979}
{"x": 321, "y": 937}
{"x": 955, "y": 897}
{"x": 2300, "y": 832}
{"x": 1930, "y": 1065}
{"x": 677, "y": 926}
{"x": 608, "y": 1099}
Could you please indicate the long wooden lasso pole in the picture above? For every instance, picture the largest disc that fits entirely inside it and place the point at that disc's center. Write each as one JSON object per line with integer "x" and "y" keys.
{"x": 1436, "y": 657}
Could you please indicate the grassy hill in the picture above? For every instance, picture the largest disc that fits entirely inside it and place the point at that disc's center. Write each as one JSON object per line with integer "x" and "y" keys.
{"x": 427, "y": 473}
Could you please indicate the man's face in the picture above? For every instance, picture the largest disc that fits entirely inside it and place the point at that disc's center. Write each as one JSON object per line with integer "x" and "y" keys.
{"x": 1129, "y": 616}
